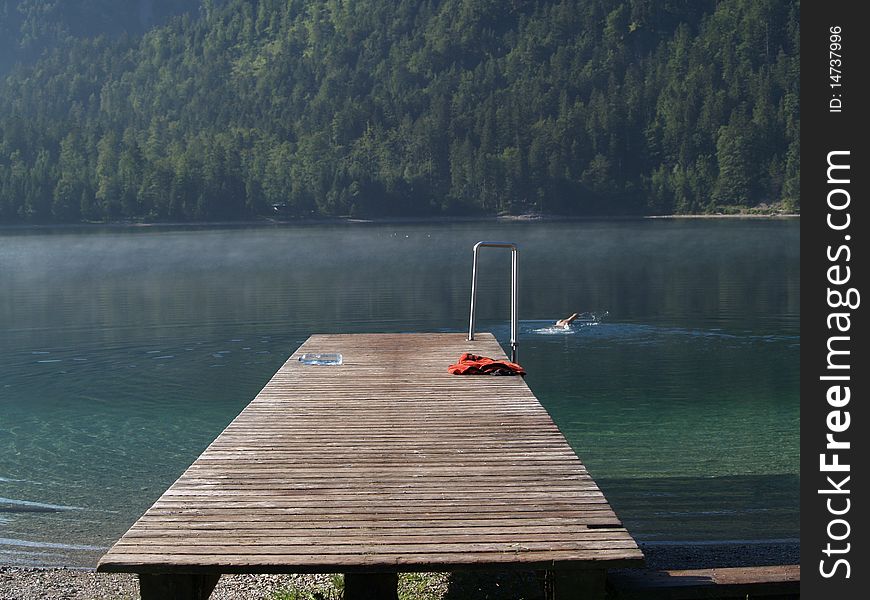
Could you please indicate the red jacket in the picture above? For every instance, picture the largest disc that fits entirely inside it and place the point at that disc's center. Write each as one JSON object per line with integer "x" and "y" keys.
{"x": 472, "y": 364}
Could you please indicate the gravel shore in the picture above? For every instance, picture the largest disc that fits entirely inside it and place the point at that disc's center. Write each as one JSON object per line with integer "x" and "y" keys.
{"x": 65, "y": 584}
{"x": 24, "y": 583}
{"x": 20, "y": 583}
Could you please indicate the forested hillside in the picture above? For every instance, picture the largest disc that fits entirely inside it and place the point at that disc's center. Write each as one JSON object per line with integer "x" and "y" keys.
{"x": 30, "y": 27}
{"x": 410, "y": 107}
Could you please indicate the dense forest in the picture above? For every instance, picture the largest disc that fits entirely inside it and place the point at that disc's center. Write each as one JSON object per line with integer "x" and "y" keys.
{"x": 29, "y": 27}
{"x": 236, "y": 109}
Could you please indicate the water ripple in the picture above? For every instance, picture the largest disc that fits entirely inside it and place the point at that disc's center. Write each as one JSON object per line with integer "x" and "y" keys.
{"x": 13, "y": 505}
{"x": 51, "y": 545}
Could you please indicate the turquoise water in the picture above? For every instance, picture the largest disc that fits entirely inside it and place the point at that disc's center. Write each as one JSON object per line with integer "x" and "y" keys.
{"x": 124, "y": 352}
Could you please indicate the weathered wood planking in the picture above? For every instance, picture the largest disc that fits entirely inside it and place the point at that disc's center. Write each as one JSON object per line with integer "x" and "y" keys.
{"x": 385, "y": 463}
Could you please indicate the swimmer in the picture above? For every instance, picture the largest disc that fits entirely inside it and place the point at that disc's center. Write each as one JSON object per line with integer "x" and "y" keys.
{"x": 566, "y": 322}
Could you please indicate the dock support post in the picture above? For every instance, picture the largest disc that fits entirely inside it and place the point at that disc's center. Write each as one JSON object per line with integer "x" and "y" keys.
{"x": 176, "y": 586}
{"x": 371, "y": 586}
{"x": 587, "y": 584}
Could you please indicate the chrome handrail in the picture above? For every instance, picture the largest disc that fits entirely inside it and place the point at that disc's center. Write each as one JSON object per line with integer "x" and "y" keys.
{"x": 515, "y": 260}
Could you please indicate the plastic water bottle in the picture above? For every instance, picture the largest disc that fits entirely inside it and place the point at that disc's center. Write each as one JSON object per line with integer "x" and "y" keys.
{"x": 325, "y": 358}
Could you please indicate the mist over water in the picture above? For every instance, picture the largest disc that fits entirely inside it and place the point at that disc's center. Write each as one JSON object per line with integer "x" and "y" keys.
{"x": 123, "y": 353}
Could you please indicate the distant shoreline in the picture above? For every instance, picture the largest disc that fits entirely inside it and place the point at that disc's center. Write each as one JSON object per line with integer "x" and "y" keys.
{"x": 269, "y": 222}
{"x": 723, "y": 216}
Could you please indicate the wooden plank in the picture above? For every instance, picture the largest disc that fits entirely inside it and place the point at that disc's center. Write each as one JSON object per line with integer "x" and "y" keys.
{"x": 376, "y": 534}
{"x": 278, "y": 519}
{"x": 385, "y": 463}
{"x": 779, "y": 581}
{"x": 352, "y": 562}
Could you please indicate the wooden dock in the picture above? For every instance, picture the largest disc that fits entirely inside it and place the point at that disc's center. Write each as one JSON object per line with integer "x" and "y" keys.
{"x": 383, "y": 464}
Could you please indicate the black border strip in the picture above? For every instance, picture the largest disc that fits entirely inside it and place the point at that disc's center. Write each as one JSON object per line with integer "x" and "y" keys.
{"x": 832, "y": 248}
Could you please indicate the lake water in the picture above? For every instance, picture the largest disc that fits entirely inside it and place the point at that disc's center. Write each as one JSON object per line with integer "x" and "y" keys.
{"x": 124, "y": 352}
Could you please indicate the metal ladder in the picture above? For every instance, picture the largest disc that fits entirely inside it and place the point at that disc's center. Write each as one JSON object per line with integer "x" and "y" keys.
{"x": 515, "y": 259}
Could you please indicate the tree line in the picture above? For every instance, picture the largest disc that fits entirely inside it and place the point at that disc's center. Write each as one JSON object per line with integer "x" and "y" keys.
{"x": 246, "y": 108}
